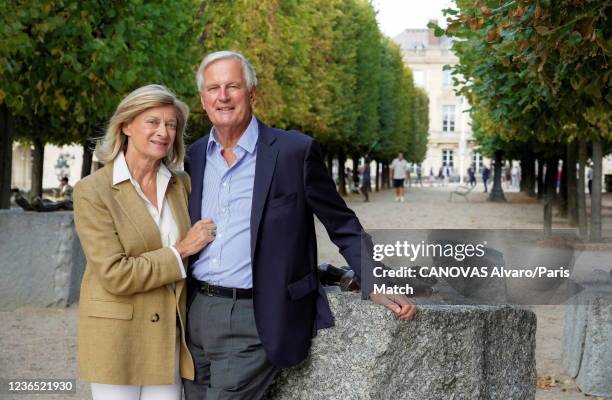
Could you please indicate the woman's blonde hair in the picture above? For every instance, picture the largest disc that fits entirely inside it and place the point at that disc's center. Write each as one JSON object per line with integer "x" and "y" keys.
{"x": 130, "y": 107}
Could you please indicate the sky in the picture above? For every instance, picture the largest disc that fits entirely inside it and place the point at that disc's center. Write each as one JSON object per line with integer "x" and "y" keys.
{"x": 396, "y": 15}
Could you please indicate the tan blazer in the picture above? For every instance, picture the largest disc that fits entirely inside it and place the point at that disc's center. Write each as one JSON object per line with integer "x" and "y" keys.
{"x": 128, "y": 310}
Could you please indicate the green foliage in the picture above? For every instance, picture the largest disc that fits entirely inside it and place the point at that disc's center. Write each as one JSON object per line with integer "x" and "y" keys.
{"x": 64, "y": 65}
{"x": 534, "y": 72}
{"x": 323, "y": 67}
{"x": 418, "y": 144}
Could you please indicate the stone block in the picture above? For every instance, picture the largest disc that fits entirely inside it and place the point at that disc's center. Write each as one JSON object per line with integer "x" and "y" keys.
{"x": 587, "y": 342}
{"x": 41, "y": 259}
{"x": 445, "y": 352}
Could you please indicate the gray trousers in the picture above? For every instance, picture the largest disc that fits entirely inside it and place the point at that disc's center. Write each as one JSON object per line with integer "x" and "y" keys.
{"x": 230, "y": 361}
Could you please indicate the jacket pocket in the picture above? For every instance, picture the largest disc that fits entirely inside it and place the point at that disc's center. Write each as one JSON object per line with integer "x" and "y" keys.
{"x": 303, "y": 286}
{"x": 281, "y": 201}
{"x": 110, "y": 309}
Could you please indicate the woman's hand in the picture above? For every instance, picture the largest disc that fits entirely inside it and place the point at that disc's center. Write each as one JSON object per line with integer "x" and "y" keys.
{"x": 201, "y": 233}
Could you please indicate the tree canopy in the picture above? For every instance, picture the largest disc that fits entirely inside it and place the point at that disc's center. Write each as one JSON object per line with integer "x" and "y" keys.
{"x": 323, "y": 67}
{"x": 65, "y": 65}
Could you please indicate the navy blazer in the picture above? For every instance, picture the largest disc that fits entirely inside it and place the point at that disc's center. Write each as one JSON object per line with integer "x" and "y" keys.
{"x": 291, "y": 186}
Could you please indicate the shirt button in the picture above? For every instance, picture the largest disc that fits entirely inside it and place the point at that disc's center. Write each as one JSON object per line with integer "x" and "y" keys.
{"x": 224, "y": 184}
{"x": 154, "y": 317}
{"x": 214, "y": 260}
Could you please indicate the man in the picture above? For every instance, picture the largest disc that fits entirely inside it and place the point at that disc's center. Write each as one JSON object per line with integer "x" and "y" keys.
{"x": 486, "y": 172}
{"x": 399, "y": 172}
{"x": 472, "y": 175}
{"x": 65, "y": 190}
{"x": 419, "y": 179}
{"x": 255, "y": 299}
{"x": 514, "y": 176}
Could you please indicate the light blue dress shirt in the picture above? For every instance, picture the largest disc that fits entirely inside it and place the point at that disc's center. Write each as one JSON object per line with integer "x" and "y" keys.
{"x": 227, "y": 195}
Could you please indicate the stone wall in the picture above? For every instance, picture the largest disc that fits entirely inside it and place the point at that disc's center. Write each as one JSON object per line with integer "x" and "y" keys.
{"x": 41, "y": 260}
{"x": 445, "y": 352}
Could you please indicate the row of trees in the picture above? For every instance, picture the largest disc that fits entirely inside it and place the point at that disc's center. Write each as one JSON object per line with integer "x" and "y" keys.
{"x": 64, "y": 66}
{"x": 325, "y": 69}
{"x": 323, "y": 66}
{"x": 537, "y": 76}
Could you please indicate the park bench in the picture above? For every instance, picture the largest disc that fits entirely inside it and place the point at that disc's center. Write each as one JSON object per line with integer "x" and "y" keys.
{"x": 462, "y": 190}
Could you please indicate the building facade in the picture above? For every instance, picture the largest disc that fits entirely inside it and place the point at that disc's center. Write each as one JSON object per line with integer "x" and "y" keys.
{"x": 450, "y": 145}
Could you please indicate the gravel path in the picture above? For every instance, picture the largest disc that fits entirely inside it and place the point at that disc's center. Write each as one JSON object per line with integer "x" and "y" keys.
{"x": 41, "y": 342}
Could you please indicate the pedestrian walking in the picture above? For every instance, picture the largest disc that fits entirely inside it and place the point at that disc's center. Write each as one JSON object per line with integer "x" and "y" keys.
{"x": 508, "y": 175}
{"x": 472, "y": 176}
{"x": 514, "y": 176}
{"x": 431, "y": 176}
{"x": 486, "y": 172}
{"x": 366, "y": 180}
{"x": 441, "y": 176}
{"x": 447, "y": 174}
{"x": 399, "y": 173}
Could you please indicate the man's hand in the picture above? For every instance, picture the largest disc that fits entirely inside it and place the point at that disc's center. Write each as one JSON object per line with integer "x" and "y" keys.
{"x": 403, "y": 307}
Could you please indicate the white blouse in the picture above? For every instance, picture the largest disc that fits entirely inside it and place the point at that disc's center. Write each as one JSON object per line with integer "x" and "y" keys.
{"x": 163, "y": 216}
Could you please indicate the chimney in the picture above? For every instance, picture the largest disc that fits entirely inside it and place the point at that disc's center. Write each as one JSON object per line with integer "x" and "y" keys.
{"x": 432, "y": 40}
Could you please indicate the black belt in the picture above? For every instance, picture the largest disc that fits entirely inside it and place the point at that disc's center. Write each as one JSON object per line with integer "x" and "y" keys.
{"x": 221, "y": 291}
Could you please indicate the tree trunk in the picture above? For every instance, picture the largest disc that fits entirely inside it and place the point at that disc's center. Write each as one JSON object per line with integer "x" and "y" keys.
{"x": 354, "y": 178}
{"x": 523, "y": 182}
{"x": 596, "y": 192}
{"x": 6, "y": 156}
{"x": 550, "y": 182}
{"x": 377, "y": 175}
{"x": 572, "y": 205}
{"x": 497, "y": 192}
{"x": 562, "y": 198}
{"x": 341, "y": 173}
{"x": 528, "y": 175}
{"x": 581, "y": 198}
{"x": 540, "y": 178}
{"x": 87, "y": 159}
{"x": 38, "y": 158}
{"x": 385, "y": 175}
{"x": 330, "y": 164}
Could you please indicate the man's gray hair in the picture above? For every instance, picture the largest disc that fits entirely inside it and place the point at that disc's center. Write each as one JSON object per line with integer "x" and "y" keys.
{"x": 247, "y": 69}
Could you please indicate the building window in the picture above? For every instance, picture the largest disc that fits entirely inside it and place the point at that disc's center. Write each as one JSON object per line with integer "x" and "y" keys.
{"x": 477, "y": 161}
{"x": 448, "y": 118}
{"x": 447, "y": 78}
{"x": 447, "y": 158}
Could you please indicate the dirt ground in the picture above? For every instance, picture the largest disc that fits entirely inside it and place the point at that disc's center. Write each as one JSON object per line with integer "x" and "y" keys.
{"x": 41, "y": 342}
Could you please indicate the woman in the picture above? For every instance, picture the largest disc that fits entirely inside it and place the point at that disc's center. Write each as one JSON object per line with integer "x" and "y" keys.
{"x": 131, "y": 217}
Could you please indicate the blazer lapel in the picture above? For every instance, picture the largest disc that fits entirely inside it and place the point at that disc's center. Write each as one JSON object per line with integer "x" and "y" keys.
{"x": 197, "y": 163}
{"x": 134, "y": 208}
{"x": 176, "y": 201}
{"x": 267, "y": 152}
